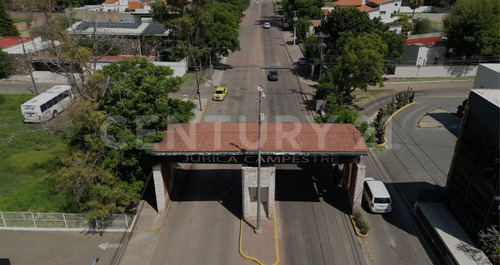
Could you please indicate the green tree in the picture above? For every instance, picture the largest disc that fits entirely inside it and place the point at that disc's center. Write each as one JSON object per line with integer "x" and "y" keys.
{"x": 473, "y": 28}
{"x": 414, "y": 4}
{"x": 312, "y": 47}
{"x": 406, "y": 25}
{"x": 5, "y": 64}
{"x": 361, "y": 63}
{"x": 7, "y": 27}
{"x": 109, "y": 157}
{"x": 306, "y": 8}
{"x": 302, "y": 28}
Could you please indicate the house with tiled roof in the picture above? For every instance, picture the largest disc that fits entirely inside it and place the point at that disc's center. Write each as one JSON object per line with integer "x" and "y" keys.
{"x": 424, "y": 49}
{"x": 375, "y": 8}
{"x": 14, "y": 45}
{"x": 121, "y": 5}
{"x": 347, "y": 3}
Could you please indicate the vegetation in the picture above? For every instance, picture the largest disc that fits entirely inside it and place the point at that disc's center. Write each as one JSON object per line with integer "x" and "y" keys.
{"x": 489, "y": 242}
{"x": 28, "y": 162}
{"x": 473, "y": 28}
{"x": 406, "y": 25}
{"x": 302, "y": 28}
{"x": 422, "y": 26}
{"x": 204, "y": 28}
{"x": 401, "y": 99}
{"x": 109, "y": 156}
{"x": 5, "y": 64}
{"x": 310, "y": 9}
{"x": 414, "y": 4}
{"x": 361, "y": 224}
{"x": 361, "y": 50}
{"x": 7, "y": 27}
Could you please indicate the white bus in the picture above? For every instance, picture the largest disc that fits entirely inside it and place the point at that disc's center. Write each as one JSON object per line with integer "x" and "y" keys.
{"x": 47, "y": 105}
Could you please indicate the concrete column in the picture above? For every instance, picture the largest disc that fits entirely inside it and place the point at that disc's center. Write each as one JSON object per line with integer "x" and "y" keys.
{"x": 249, "y": 191}
{"x": 356, "y": 185}
{"x": 163, "y": 182}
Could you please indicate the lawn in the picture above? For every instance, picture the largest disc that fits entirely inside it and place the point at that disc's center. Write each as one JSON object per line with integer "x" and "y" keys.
{"x": 360, "y": 95}
{"x": 189, "y": 79}
{"x": 28, "y": 162}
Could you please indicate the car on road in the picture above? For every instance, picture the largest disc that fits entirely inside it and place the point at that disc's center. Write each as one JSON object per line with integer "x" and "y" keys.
{"x": 267, "y": 25}
{"x": 272, "y": 75}
{"x": 377, "y": 196}
{"x": 302, "y": 60}
{"x": 220, "y": 93}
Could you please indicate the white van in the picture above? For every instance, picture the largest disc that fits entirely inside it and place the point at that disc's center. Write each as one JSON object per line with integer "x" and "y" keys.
{"x": 377, "y": 196}
{"x": 47, "y": 105}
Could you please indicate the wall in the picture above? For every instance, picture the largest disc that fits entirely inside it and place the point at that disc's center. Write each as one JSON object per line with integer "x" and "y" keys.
{"x": 179, "y": 68}
{"x": 487, "y": 77}
{"x": 86, "y": 15}
{"x": 434, "y": 71}
{"x": 423, "y": 55}
{"x": 389, "y": 8}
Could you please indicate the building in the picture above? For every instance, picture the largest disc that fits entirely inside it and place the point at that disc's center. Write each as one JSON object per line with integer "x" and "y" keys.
{"x": 14, "y": 45}
{"x": 424, "y": 49}
{"x": 472, "y": 191}
{"x": 488, "y": 76}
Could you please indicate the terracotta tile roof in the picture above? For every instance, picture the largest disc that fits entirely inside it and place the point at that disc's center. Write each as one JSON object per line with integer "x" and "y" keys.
{"x": 429, "y": 41}
{"x": 110, "y": 2}
{"x": 365, "y": 8}
{"x": 7, "y": 41}
{"x": 315, "y": 22}
{"x": 281, "y": 137}
{"x": 133, "y": 5}
{"x": 325, "y": 11}
{"x": 379, "y": 1}
{"x": 347, "y": 3}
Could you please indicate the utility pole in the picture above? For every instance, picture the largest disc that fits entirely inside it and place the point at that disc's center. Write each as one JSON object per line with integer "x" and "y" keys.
{"x": 197, "y": 86}
{"x": 257, "y": 229}
{"x": 322, "y": 36}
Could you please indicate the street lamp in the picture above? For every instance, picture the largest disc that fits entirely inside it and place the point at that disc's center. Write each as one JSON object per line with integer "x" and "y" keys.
{"x": 196, "y": 69}
{"x": 258, "y": 230}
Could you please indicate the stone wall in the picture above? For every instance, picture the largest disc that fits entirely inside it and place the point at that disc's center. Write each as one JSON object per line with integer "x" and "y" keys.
{"x": 249, "y": 186}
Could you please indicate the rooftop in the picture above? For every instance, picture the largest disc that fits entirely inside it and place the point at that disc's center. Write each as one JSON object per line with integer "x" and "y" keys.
{"x": 117, "y": 28}
{"x": 347, "y": 3}
{"x": 492, "y": 95}
{"x": 7, "y": 41}
{"x": 379, "y": 1}
{"x": 366, "y": 8}
{"x": 279, "y": 137}
{"x": 133, "y": 5}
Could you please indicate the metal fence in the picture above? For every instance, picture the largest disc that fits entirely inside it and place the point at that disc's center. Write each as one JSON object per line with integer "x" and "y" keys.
{"x": 62, "y": 222}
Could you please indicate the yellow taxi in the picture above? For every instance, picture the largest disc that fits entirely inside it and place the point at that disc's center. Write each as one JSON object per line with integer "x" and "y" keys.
{"x": 220, "y": 93}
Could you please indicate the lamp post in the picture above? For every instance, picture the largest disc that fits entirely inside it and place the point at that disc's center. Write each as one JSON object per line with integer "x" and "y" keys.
{"x": 197, "y": 85}
{"x": 258, "y": 230}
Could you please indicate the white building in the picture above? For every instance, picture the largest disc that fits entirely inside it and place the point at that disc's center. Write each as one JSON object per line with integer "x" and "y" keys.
{"x": 487, "y": 76}
{"x": 424, "y": 49}
{"x": 14, "y": 45}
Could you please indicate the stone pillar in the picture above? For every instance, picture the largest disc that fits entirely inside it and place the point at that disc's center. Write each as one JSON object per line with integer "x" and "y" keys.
{"x": 163, "y": 182}
{"x": 249, "y": 192}
{"x": 357, "y": 178}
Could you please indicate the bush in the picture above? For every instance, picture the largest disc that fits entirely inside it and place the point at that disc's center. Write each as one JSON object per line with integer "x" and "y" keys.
{"x": 2, "y": 99}
{"x": 5, "y": 65}
{"x": 361, "y": 224}
{"x": 422, "y": 26}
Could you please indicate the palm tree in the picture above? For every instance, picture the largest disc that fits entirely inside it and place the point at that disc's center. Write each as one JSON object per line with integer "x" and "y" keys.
{"x": 414, "y": 4}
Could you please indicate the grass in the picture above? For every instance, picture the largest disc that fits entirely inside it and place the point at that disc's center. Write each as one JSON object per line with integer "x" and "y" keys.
{"x": 410, "y": 79}
{"x": 28, "y": 162}
{"x": 437, "y": 25}
{"x": 329, "y": 3}
{"x": 360, "y": 95}
{"x": 17, "y": 20}
{"x": 189, "y": 79}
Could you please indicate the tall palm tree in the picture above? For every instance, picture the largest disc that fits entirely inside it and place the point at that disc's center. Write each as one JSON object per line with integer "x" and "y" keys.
{"x": 414, "y": 4}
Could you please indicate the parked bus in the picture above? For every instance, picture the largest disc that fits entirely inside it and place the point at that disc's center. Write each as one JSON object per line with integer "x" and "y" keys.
{"x": 47, "y": 105}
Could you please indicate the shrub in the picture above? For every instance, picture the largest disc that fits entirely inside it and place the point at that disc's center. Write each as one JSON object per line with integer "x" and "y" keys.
{"x": 2, "y": 99}
{"x": 5, "y": 65}
{"x": 422, "y": 26}
{"x": 361, "y": 224}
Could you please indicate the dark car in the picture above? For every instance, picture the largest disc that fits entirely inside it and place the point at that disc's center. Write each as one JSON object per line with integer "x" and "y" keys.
{"x": 272, "y": 76}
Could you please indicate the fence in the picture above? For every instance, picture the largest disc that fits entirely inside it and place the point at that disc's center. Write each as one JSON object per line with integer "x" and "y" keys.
{"x": 62, "y": 222}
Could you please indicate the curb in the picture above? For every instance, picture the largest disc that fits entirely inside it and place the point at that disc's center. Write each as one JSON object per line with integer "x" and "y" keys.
{"x": 390, "y": 117}
{"x": 356, "y": 228}
{"x": 156, "y": 229}
{"x": 275, "y": 240}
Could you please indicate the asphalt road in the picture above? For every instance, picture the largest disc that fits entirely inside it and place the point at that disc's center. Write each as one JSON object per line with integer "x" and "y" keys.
{"x": 417, "y": 159}
{"x": 261, "y": 50}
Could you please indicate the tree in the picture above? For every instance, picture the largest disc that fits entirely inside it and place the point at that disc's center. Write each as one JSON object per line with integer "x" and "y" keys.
{"x": 489, "y": 241}
{"x": 361, "y": 63}
{"x": 414, "y": 4}
{"x": 302, "y": 28}
{"x": 473, "y": 28}
{"x": 109, "y": 157}
{"x": 7, "y": 27}
{"x": 406, "y": 25}
{"x": 5, "y": 64}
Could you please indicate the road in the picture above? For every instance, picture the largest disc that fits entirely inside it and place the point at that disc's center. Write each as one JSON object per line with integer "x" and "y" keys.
{"x": 202, "y": 225}
{"x": 418, "y": 159}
